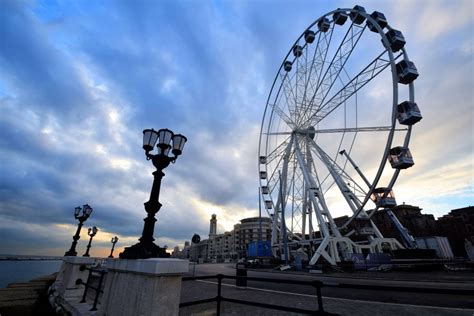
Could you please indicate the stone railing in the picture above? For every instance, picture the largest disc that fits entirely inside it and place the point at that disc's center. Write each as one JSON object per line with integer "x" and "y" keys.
{"x": 132, "y": 287}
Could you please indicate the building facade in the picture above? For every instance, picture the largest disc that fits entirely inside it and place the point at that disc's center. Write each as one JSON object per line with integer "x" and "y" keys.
{"x": 417, "y": 224}
{"x": 232, "y": 245}
{"x": 248, "y": 232}
{"x": 458, "y": 226}
{"x": 213, "y": 226}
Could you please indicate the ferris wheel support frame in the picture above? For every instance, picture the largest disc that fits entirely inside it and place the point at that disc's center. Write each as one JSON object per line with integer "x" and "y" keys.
{"x": 407, "y": 238}
{"x": 279, "y": 226}
{"x": 333, "y": 246}
{"x": 350, "y": 197}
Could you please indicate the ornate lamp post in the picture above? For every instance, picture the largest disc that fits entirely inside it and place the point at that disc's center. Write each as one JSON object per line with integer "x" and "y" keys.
{"x": 91, "y": 232}
{"x": 113, "y": 241}
{"x": 146, "y": 248}
{"x": 86, "y": 212}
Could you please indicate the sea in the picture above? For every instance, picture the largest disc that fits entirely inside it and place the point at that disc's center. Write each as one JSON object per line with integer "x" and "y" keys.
{"x": 20, "y": 270}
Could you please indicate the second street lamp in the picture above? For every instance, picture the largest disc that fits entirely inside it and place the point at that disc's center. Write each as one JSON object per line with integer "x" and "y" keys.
{"x": 86, "y": 212}
{"x": 91, "y": 232}
{"x": 113, "y": 241}
{"x": 146, "y": 248}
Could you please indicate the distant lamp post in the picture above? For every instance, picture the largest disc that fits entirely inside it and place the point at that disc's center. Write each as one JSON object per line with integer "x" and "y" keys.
{"x": 91, "y": 232}
{"x": 113, "y": 241}
{"x": 146, "y": 248}
{"x": 86, "y": 212}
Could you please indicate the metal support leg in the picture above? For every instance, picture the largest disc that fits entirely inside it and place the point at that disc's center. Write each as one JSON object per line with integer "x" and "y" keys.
{"x": 219, "y": 297}
{"x": 86, "y": 287}
{"x": 320, "y": 298}
{"x": 99, "y": 289}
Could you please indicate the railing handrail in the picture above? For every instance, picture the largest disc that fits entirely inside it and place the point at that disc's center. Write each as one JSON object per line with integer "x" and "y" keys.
{"x": 233, "y": 277}
{"x": 398, "y": 288}
{"x": 413, "y": 289}
{"x": 219, "y": 298}
{"x": 201, "y": 277}
{"x": 314, "y": 283}
{"x": 87, "y": 286}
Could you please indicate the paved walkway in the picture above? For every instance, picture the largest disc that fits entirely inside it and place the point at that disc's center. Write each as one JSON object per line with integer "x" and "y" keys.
{"x": 193, "y": 290}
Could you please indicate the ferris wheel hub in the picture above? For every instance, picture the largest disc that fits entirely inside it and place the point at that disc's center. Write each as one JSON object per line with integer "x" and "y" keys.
{"x": 310, "y": 132}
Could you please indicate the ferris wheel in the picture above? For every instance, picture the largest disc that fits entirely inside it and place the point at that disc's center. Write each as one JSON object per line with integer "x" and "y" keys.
{"x": 335, "y": 136}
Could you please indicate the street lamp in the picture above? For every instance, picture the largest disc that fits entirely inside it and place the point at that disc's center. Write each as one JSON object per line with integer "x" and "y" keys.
{"x": 113, "y": 241}
{"x": 146, "y": 248}
{"x": 91, "y": 232}
{"x": 86, "y": 212}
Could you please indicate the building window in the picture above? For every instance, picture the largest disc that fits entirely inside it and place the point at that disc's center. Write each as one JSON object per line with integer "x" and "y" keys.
{"x": 470, "y": 229}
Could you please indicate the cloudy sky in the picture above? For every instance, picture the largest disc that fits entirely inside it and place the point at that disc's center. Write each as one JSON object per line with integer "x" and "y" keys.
{"x": 80, "y": 80}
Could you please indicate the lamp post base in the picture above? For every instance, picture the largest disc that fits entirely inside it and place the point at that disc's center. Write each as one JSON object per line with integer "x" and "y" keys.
{"x": 144, "y": 251}
{"x": 70, "y": 253}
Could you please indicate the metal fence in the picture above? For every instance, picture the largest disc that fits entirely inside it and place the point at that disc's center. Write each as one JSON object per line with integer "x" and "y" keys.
{"x": 219, "y": 298}
{"x": 404, "y": 289}
{"x": 316, "y": 284}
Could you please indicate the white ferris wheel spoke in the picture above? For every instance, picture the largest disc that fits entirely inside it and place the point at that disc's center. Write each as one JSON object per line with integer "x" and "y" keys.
{"x": 282, "y": 115}
{"x": 316, "y": 67}
{"x": 340, "y": 130}
{"x": 360, "y": 80}
{"x": 289, "y": 94}
{"x": 320, "y": 56}
{"x": 278, "y": 150}
{"x": 337, "y": 63}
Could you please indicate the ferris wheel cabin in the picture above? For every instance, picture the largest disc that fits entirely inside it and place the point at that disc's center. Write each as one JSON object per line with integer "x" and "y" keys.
{"x": 396, "y": 40}
{"x": 383, "y": 198}
{"x": 356, "y": 17}
{"x": 408, "y": 113}
{"x": 400, "y": 158}
{"x": 297, "y": 51}
{"x": 406, "y": 72}
{"x": 323, "y": 25}
{"x": 287, "y": 65}
{"x": 339, "y": 18}
{"x": 268, "y": 204}
{"x": 309, "y": 36}
{"x": 379, "y": 17}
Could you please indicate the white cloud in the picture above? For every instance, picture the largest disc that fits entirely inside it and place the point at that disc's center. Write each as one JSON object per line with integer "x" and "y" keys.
{"x": 168, "y": 85}
{"x": 430, "y": 20}
{"x": 439, "y": 18}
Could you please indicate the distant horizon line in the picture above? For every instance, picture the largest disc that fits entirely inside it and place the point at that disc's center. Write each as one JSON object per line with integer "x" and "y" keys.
{"x": 28, "y": 257}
